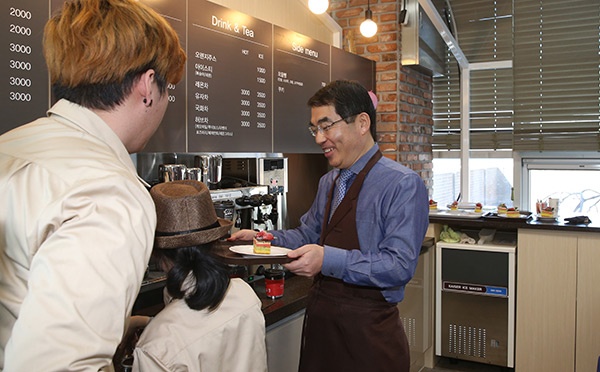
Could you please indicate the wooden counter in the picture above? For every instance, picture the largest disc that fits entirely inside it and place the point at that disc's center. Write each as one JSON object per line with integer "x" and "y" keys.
{"x": 557, "y": 296}
{"x": 150, "y": 301}
{"x": 513, "y": 223}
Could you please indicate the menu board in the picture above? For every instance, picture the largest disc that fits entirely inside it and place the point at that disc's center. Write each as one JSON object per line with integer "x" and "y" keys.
{"x": 301, "y": 67}
{"x": 24, "y": 77}
{"x": 245, "y": 86}
{"x": 229, "y": 80}
{"x": 171, "y": 135}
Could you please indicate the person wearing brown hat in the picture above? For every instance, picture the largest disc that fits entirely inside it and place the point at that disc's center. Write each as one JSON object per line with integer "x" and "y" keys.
{"x": 210, "y": 322}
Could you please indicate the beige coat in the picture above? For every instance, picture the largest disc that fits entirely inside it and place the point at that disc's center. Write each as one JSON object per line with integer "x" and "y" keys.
{"x": 76, "y": 232}
{"x": 229, "y": 339}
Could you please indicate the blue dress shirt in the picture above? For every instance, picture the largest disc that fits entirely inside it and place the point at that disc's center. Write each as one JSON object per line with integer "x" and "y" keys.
{"x": 391, "y": 220}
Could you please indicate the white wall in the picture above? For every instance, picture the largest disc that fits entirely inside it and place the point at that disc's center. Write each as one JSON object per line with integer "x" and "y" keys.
{"x": 290, "y": 14}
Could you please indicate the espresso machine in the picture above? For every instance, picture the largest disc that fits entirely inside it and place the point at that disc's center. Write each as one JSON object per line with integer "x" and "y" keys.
{"x": 269, "y": 209}
{"x": 247, "y": 206}
{"x": 250, "y": 191}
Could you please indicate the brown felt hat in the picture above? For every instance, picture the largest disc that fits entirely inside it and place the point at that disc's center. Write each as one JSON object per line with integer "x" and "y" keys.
{"x": 186, "y": 215}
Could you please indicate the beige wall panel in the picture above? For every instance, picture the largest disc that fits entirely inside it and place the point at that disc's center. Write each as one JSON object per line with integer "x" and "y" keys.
{"x": 546, "y": 301}
{"x": 588, "y": 302}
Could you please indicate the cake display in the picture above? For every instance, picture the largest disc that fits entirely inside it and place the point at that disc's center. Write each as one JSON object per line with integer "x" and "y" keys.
{"x": 513, "y": 213}
{"x": 262, "y": 243}
{"x": 547, "y": 212}
{"x": 478, "y": 208}
{"x": 502, "y": 208}
{"x": 432, "y": 205}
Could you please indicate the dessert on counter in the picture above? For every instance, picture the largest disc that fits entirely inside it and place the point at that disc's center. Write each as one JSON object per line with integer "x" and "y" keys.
{"x": 547, "y": 212}
{"x": 432, "y": 205}
{"x": 502, "y": 208}
{"x": 513, "y": 213}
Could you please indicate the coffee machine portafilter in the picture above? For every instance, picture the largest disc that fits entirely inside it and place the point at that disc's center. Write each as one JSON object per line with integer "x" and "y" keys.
{"x": 258, "y": 212}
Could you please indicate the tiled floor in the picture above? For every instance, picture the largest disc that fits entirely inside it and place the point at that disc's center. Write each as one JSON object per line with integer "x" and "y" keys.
{"x": 453, "y": 365}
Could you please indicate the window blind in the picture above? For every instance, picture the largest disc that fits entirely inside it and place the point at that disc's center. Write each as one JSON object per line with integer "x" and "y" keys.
{"x": 484, "y": 33}
{"x": 557, "y": 75}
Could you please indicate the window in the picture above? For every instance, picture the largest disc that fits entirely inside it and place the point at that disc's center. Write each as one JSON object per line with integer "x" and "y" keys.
{"x": 484, "y": 33}
{"x": 557, "y": 75}
{"x": 547, "y": 100}
{"x": 574, "y": 182}
{"x": 491, "y": 181}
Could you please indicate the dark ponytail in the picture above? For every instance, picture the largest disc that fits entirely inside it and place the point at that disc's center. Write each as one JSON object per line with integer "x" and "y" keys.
{"x": 210, "y": 277}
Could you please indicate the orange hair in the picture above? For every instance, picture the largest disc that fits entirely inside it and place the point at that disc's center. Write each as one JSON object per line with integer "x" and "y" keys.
{"x": 97, "y": 46}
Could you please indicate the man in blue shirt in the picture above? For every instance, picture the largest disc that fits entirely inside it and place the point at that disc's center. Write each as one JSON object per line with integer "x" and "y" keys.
{"x": 361, "y": 253}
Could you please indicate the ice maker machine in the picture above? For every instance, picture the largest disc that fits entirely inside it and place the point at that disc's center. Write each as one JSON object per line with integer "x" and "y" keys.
{"x": 475, "y": 302}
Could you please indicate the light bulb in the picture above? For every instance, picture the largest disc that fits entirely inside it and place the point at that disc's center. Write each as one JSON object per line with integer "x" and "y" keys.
{"x": 368, "y": 28}
{"x": 318, "y": 6}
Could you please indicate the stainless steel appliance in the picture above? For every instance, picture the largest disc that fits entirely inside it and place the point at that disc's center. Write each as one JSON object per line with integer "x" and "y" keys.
{"x": 475, "y": 302}
{"x": 271, "y": 172}
{"x": 257, "y": 184}
{"x": 246, "y": 216}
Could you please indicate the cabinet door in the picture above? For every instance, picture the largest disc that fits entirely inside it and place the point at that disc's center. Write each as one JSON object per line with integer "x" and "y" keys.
{"x": 588, "y": 302}
{"x": 546, "y": 301}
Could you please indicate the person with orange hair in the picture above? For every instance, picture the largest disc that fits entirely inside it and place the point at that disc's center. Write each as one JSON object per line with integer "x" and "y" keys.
{"x": 77, "y": 224}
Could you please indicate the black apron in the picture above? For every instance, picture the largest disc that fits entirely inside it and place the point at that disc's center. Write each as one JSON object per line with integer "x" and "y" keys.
{"x": 349, "y": 327}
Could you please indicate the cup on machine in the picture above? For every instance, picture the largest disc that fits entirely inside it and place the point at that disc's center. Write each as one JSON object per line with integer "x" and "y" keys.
{"x": 171, "y": 172}
{"x": 193, "y": 174}
{"x": 211, "y": 167}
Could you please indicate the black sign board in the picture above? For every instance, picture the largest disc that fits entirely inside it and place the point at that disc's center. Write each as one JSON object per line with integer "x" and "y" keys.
{"x": 301, "y": 67}
{"x": 24, "y": 77}
{"x": 229, "y": 80}
{"x": 245, "y": 88}
{"x": 171, "y": 134}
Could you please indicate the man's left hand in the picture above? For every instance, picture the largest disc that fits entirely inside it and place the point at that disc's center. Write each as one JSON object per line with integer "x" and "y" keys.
{"x": 308, "y": 260}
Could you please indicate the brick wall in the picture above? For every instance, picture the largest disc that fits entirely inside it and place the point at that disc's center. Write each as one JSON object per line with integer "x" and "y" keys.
{"x": 404, "y": 113}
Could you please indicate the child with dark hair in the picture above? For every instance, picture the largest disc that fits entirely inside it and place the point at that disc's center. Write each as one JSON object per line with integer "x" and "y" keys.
{"x": 210, "y": 322}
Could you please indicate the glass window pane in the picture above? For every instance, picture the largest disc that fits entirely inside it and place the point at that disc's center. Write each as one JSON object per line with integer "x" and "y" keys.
{"x": 578, "y": 191}
{"x": 446, "y": 181}
{"x": 491, "y": 181}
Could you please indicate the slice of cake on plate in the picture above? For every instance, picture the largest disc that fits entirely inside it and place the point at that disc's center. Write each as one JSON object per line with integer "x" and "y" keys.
{"x": 262, "y": 243}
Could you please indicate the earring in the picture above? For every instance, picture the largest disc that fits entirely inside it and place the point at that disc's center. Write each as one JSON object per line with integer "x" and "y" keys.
{"x": 145, "y": 100}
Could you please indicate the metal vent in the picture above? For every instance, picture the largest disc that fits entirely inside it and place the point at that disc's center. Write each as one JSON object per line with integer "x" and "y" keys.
{"x": 467, "y": 340}
{"x": 410, "y": 328}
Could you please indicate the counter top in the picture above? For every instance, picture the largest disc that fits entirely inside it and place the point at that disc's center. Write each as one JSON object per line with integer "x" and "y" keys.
{"x": 149, "y": 301}
{"x": 513, "y": 223}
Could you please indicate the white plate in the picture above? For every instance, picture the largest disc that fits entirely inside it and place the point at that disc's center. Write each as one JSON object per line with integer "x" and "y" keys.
{"x": 464, "y": 205}
{"x": 456, "y": 214}
{"x": 248, "y": 250}
{"x": 546, "y": 219}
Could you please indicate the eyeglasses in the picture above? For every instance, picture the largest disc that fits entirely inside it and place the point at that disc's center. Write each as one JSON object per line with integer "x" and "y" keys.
{"x": 322, "y": 127}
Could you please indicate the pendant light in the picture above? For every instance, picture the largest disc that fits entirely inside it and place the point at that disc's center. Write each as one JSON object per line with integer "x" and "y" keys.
{"x": 318, "y": 6}
{"x": 368, "y": 27}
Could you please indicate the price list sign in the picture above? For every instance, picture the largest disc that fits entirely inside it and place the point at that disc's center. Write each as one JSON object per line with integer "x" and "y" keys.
{"x": 229, "y": 80}
{"x": 24, "y": 85}
{"x": 300, "y": 68}
{"x": 171, "y": 134}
